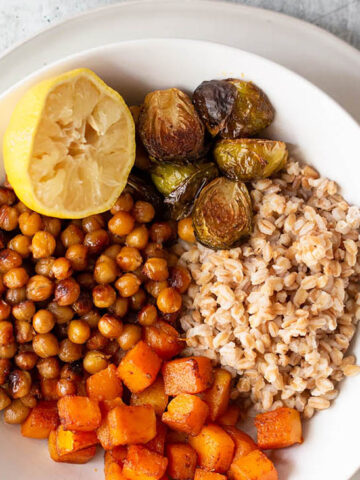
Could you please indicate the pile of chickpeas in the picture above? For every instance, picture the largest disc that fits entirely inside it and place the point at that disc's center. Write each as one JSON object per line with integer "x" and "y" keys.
{"x": 76, "y": 294}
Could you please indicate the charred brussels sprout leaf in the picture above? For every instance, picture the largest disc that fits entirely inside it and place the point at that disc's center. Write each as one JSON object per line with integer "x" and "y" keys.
{"x": 222, "y": 214}
{"x": 251, "y": 113}
{"x": 168, "y": 176}
{"x": 248, "y": 158}
{"x": 180, "y": 201}
{"x": 214, "y": 101}
{"x": 170, "y": 127}
{"x": 143, "y": 189}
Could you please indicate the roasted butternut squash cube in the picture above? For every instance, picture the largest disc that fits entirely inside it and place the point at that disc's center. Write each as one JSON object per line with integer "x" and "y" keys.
{"x": 139, "y": 368}
{"x": 68, "y": 441}
{"x": 157, "y": 444}
{"x": 279, "y": 428}
{"x": 215, "y": 448}
{"x": 103, "y": 435}
{"x": 186, "y": 413}
{"x": 201, "y": 474}
{"x": 243, "y": 443}
{"x": 254, "y": 466}
{"x": 116, "y": 454}
{"x": 130, "y": 425}
{"x": 104, "y": 385}
{"x": 80, "y": 457}
{"x": 42, "y": 419}
{"x": 182, "y": 461}
{"x": 163, "y": 339}
{"x": 230, "y": 417}
{"x": 107, "y": 405}
{"x": 113, "y": 463}
{"x": 114, "y": 471}
{"x": 143, "y": 464}
{"x": 154, "y": 396}
{"x": 187, "y": 375}
{"x": 218, "y": 396}
{"x": 79, "y": 413}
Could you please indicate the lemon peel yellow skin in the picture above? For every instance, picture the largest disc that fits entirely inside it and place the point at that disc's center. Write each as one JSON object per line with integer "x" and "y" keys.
{"x": 69, "y": 146}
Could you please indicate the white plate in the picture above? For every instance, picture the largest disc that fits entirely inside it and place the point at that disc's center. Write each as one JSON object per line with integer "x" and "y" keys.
{"x": 323, "y": 133}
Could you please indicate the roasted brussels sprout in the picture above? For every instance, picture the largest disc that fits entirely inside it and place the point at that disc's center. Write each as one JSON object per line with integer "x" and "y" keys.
{"x": 214, "y": 101}
{"x": 170, "y": 127}
{"x": 180, "y": 201}
{"x": 222, "y": 214}
{"x": 251, "y": 113}
{"x": 168, "y": 176}
{"x": 248, "y": 158}
{"x": 143, "y": 189}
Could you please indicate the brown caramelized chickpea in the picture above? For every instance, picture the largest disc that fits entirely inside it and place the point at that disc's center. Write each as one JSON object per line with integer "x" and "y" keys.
{"x": 14, "y": 296}
{"x": 65, "y": 387}
{"x": 44, "y": 267}
{"x": 6, "y": 332}
{"x": 94, "y": 361}
{"x": 52, "y": 225}
{"x": 21, "y": 208}
{"x": 20, "y": 244}
{"x": 19, "y": 383}
{"x": 43, "y": 321}
{"x": 130, "y": 336}
{"x": 180, "y": 278}
{"x": 72, "y": 371}
{"x": 109, "y": 326}
{"x": 138, "y": 238}
{"x": 92, "y": 223}
{"x": 113, "y": 251}
{"x": 111, "y": 348}
{"x": 143, "y": 212}
{"x": 15, "y": 277}
{"x": 105, "y": 270}
{"x": 147, "y": 315}
{"x": 67, "y": 292}
{"x": 24, "y": 331}
{"x": 121, "y": 223}
{"x": 16, "y": 413}
{"x": 45, "y": 345}
{"x": 9, "y": 218}
{"x": 128, "y": 284}
{"x": 129, "y": 259}
{"x": 186, "y": 230}
{"x": 155, "y": 250}
{"x": 4, "y": 399}
{"x": 43, "y": 244}
{"x": 120, "y": 307}
{"x": 78, "y": 256}
{"x": 5, "y": 369}
{"x": 9, "y": 259}
{"x": 26, "y": 360}
{"x": 30, "y": 400}
{"x": 49, "y": 367}
{"x": 72, "y": 235}
{"x": 2, "y": 286}
{"x": 30, "y": 223}
{"x": 154, "y": 288}
{"x": 24, "y": 310}
{"x": 86, "y": 280}
{"x": 78, "y": 331}
{"x": 39, "y": 288}
{"x": 160, "y": 232}
{"x": 7, "y": 196}
{"x": 97, "y": 341}
{"x": 61, "y": 314}
{"x": 5, "y": 310}
{"x": 138, "y": 300}
{"x": 96, "y": 241}
{"x": 8, "y": 351}
{"x": 48, "y": 389}
{"x": 83, "y": 304}
{"x": 169, "y": 300}
{"x": 123, "y": 204}
{"x": 156, "y": 269}
{"x": 61, "y": 268}
{"x": 69, "y": 351}
{"x": 103, "y": 296}
{"x": 92, "y": 318}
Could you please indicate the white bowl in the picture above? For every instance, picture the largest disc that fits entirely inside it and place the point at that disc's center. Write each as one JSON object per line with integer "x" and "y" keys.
{"x": 320, "y": 132}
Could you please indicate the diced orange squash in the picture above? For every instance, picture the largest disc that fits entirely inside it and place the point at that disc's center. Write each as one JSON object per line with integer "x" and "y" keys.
{"x": 279, "y": 428}
{"x": 215, "y": 448}
{"x": 163, "y": 339}
{"x": 218, "y": 396}
{"x": 79, "y": 413}
{"x": 116, "y": 454}
{"x": 114, "y": 471}
{"x": 103, "y": 435}
{"x": 230, "y": 417}
{"x": 42, "y": 419}
{"x": 254, "y": 466}
{"x": 139, "y": 368}
{"x": 157, "y": 444}
{"x": 143, "y": 464}
{"x": 176, "y": 437}
{"x": 182, "y": 461}
{"x": 186, "y": 413}
{"x": 154, "y": 396}
{"x": 104, "y": 385}
{"x": 243, "y": 443}
{"x": 129, "y": 425}
{"x": 107, "y": 405}
{"x": 201, "y": 474}
{"x": 68, "y": 441}
{"x": 187, "y": 375}
{"x": 113, "y": 463}
{"x": 48, "y": 389}
{"x": 81, "y": 456}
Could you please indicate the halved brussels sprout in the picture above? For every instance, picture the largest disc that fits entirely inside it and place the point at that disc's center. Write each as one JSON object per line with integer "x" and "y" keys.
{"x": 251, "y": 113}
{"x": 142, "y": 189}
{"x": 170, "y": 128}
{"x": 248, "y": 158}
{"x": 222, "y": 214}
{"x": 168, "y": 176}
{"x": 180, "y": 201}
{"x": 214, "y": 101}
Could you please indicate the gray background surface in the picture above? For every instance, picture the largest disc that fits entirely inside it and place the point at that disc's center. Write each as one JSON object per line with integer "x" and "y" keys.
{"x": 20, "y": 19}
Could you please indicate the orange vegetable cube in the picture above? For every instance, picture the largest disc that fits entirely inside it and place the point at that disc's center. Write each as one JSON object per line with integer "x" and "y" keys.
{"x": 114, "y": 471}
{"x": 79, "y": 413}
{"x": 187, "y": 375}
{"x": 129, "y": 425}
{"x": 182, "y": 461}
{"x": 81, "y": 456}
{"x": 68, "y": 441}
{"x": 139, "y": 368}
{"x": 116, "y": 454}
{"x": 107, "y": 405}
{"x": 176, "y": 437}
{"x": 113, "y": 463}
{"x": 215, "y": 448}
{"x": 243, "y": 443}
{"x": 201, "y": 474}
{"x": 163, "y": 339}
{"x": 142, "y": 464}
{"x": 279, "y": 428}
{"x": 186, "y": 413}
{"x": 154, "y": 396}
{"x": 157, "y": 444}
{"x": 230, "y": 417}
{"x": 103, "y": 435}
{"x": 254, "y": 466}
{"x": 42, "y": 419}
{"x": 104, "y": 385}
{"x": 218, "y": 396}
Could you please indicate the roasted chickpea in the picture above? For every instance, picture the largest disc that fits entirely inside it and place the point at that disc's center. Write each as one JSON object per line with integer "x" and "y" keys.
{"x": 180, "y": 278}
{"x": 6, "y": 332}
{"x": 62, "y": 314}
{"x": 121, "y": 223}
{"x": 19, "y": 383}
{"x": 96, "y": 241}
{"x": 123, "y": 204}
{"x": 112, "y": 251}
{"x": 143, "y": 212}
{"x": 147, "y": 315}
{"x": 154, "y": 250}
{"x": 138, "y": 238}
{"x": 24, "y": 331}
{"x": 2, "y": 286}
{"x": 154, "y": 288}
{"x": 39, "y": 288}
{"x": 9, "y": 218}
{"x": 14, "y": 296}
{"x": 69, "y": 351}
{"x": 67, "y": 292}
{"x": 186, "y": 230}
{"x": 21, "y": 208}
{"x": 109, "y": 326}
{"x": 83, "y": 304}
{"x": 49, "y": 367}
{"x": 72, "y": 235}
{"x": 16, "y": 413}
{"x": 61, "y": 268}
{"x": 72, "y": 371}
{"x": 43, "y": 244}
{"x": 160, "y": 232}
{"x": 5, "y": 369}
{"x": 43, "y": 321}
{"x": 26, "y": 360}
{"x": 48, "y": 389}
{"x": 44, "y": 267}
{"x": 45, "y": 345}
{"x": 30, "y": 400}
{"x": 156, "y": 269}
{"x": 169, "y": 300}
{"x": 52, "y": 225}
{"x": 91, "y": 318}
{"x": 105, "y": 270}
{"x": 129, "y": 259}
{"x": 97, "y": 341}
{"x": 111, "y": 348}
{"x": 5, "y": 310}
{"x": 92, "y": 223}
{"x": 78, "y": 331}
{"x": 7, "y": 196}
{"x": 138, "y": 300}
{"x": 30, "y": 223}
{"x": 128, "y": 284}
{"x": 20, "y": 244}
{"x": 120, "y": 308}
{"x": 8, "y": 351}
{"x": 24, "y": 310}
{"x": 86, "y": 280}
{"x": 94, "y": 361}
{"x": 9, "y": 259}
{"x": 65, "y": 387}
{"x": 15, "y": 277}
{"x": 103, "y": 296}
{"x": 4, "y": 399}
{"x": 130, "y": 336}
